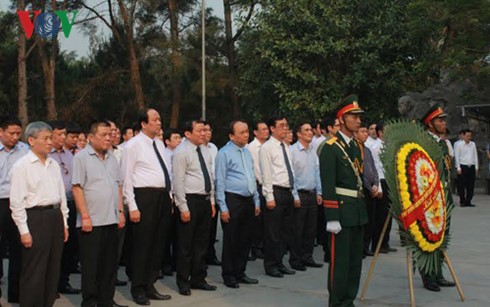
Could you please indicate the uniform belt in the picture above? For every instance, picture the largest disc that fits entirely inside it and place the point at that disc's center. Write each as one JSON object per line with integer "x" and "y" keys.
{"x": 47, "y": 207}
{"x": 348, "y": 192}
{"x": 307, "y": 191}
{"x": 281, "y": 188}
{"x": 198, "y": 196}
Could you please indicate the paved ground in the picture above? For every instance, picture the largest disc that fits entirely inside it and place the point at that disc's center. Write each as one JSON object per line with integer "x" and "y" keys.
{"x": 469, "y": 252}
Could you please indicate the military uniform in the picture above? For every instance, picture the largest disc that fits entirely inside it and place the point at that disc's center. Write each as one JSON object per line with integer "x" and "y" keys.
{"x": 340, "y": 172}
{"x": 434, "y": 281}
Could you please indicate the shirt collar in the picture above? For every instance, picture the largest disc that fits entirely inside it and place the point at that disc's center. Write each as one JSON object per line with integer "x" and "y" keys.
{"x": 301, "y": 147}
{"x": 345, "y": 137}
{"x": 91, "y": 151}
{"x": 17, "y": 146}
{"x": 146, "y": 138}
{"x": 276, "y": 141}
{"x": 55, "y": 150}
{"x": 438, "y": 138}
{"x": 34, "y": 158}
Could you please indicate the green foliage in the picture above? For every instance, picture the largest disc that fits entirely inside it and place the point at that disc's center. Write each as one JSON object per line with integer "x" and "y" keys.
{"x": 398, "y": 133}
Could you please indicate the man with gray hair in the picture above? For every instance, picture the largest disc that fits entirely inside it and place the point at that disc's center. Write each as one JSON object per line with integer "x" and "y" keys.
{"x": 38, "y": 204}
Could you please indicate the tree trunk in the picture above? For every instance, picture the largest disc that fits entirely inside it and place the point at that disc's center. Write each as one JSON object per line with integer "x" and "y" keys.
{"x": 230, "y": 54}
{"x": 21, "y": 74}
{"x": 134, "y": 69}
{"x": 176, "y": 64}
{"x": 48, "y": 68}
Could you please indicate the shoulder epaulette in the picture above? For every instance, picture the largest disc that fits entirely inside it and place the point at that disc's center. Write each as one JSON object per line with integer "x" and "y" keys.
{"x": 331, "y": 141}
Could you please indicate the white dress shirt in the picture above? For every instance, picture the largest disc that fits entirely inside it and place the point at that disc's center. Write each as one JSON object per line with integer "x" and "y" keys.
{"x": 141, "y": 168}
{"x": 371, "y": 143}
{"x": 376, "y": 146}
{"x": 273, "y": 167}
{"x": 254, "y": 148}
{"x": 188, "y": 176}
{"x": 317, "y": 141}
{"x": 466, "y": 154}
{"x": 34, "y": 184}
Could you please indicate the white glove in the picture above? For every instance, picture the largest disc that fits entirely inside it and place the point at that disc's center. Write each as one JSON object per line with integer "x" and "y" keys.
{"x": 334, "y": 227}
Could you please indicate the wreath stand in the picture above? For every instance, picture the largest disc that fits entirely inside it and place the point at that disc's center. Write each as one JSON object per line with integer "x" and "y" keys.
{"x": 409, "y": 270}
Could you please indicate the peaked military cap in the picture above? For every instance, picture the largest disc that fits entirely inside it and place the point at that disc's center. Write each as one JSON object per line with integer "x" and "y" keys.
{"x": 435, "y": 111}
{"x": 349, "y": 104}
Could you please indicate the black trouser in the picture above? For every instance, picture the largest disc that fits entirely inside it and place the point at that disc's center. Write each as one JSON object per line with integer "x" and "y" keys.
{"x": 98, "y": 259}
{"x": 148, "y": 237}
{"x": 193, "y": 239}
{"x": 41, "y": 262}
{"x": 9, "y": 235}
{"x": 381, "y": 213}
{"x": 304, "y": 229}
{"x": 211, "y": 251}
{"x": 278, "y": 228}
{"x": 466, "y": 184}
{"x": 369, "y": 227}
{"x": 69, "y": 258}
{"x": 170, "y": 251}
{"x": 258, "y": 225}
{"x": 237, "y": 236}
{"x": 122, "y": 233}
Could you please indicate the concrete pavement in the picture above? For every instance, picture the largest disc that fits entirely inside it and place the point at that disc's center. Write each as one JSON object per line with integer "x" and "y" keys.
{"x": 469, "y": 252}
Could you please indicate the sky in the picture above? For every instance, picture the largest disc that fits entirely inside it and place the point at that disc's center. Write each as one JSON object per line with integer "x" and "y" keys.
{"x": 79, "y": 43}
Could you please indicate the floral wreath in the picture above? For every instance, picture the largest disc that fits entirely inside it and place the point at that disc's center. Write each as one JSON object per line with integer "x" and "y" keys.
{"x": 413, "y": 163}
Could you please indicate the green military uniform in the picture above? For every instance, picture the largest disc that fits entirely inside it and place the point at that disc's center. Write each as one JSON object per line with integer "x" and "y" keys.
{"x": 436, "y": 112}
{"x": 340, "y": 172}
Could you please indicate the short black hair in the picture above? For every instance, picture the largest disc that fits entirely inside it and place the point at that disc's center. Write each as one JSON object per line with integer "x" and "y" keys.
{"x": 315, "y": 123}
{"x": 125, "y": 129}
{"x": 464, "y": 131}
{"x": 72, "y": 127}
{"x": 136, "y": 126}
{"x": 189, "y": 125}
{"x": 271, "y": 122}
{"x": 297, "y": 128}
{"x": 256, "y": 126}
{"x": 231, "y": 127}
{"x": 168, "y": 133}
{"x": 380, "y": 127}
{"x": 365, "y": 125}
{"x": 57, "y": 124}
{"x": 95, "y": 124}
{"x": 7, "y": 121}
{"x": 329, "y": 120}
{"x": 143, "y": 116}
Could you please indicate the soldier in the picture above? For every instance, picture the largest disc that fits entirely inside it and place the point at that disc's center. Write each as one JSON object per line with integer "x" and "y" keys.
{"x": 341, "y": 162}
{"x": 435, "y": 123}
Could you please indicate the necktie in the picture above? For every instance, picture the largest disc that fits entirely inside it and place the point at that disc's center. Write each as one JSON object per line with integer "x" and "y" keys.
{"x": 288, "y": 166}
{"x": 168, "y": 184}
{"x": 207, "y": 179}
{"x": 250, "y": 178}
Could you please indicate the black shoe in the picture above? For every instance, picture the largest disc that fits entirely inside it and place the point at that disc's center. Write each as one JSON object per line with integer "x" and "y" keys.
{"x": 76, "y": 270}
{"x": 312, "y": 264}
{"x": 432, "y": 286}
{"x": 248, "y": 280}
{"x": 390, "y": 249}
{"x": 204, "y": 286}
{"x": 120, "y": 283}
{"x": 154, "y": 295}
{"x": 213, "y": 261}
{"x": 368, "y": 253}
{"x": 274, "y": 273}
{"x": 383, "y": 251}
{"x": 233, "y": 285}
{"x": 141, "y": 300}
{"x": 68, "y": 289}
{"x": 470, "y": 205}
{"x": 114, "y": 304}
{"x": 252, "y": 257}
{"x": 298, "y": 267}
{"x": 284, "y": 270}
{"x": 445, "y": 283}
{"x": 160, "y": 275}
{"x": 185, "y": 292}
{"x": 57, "y": 297}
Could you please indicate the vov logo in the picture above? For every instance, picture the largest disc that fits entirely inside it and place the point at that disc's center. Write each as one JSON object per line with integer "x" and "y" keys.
{"x": 47, "y": 24}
